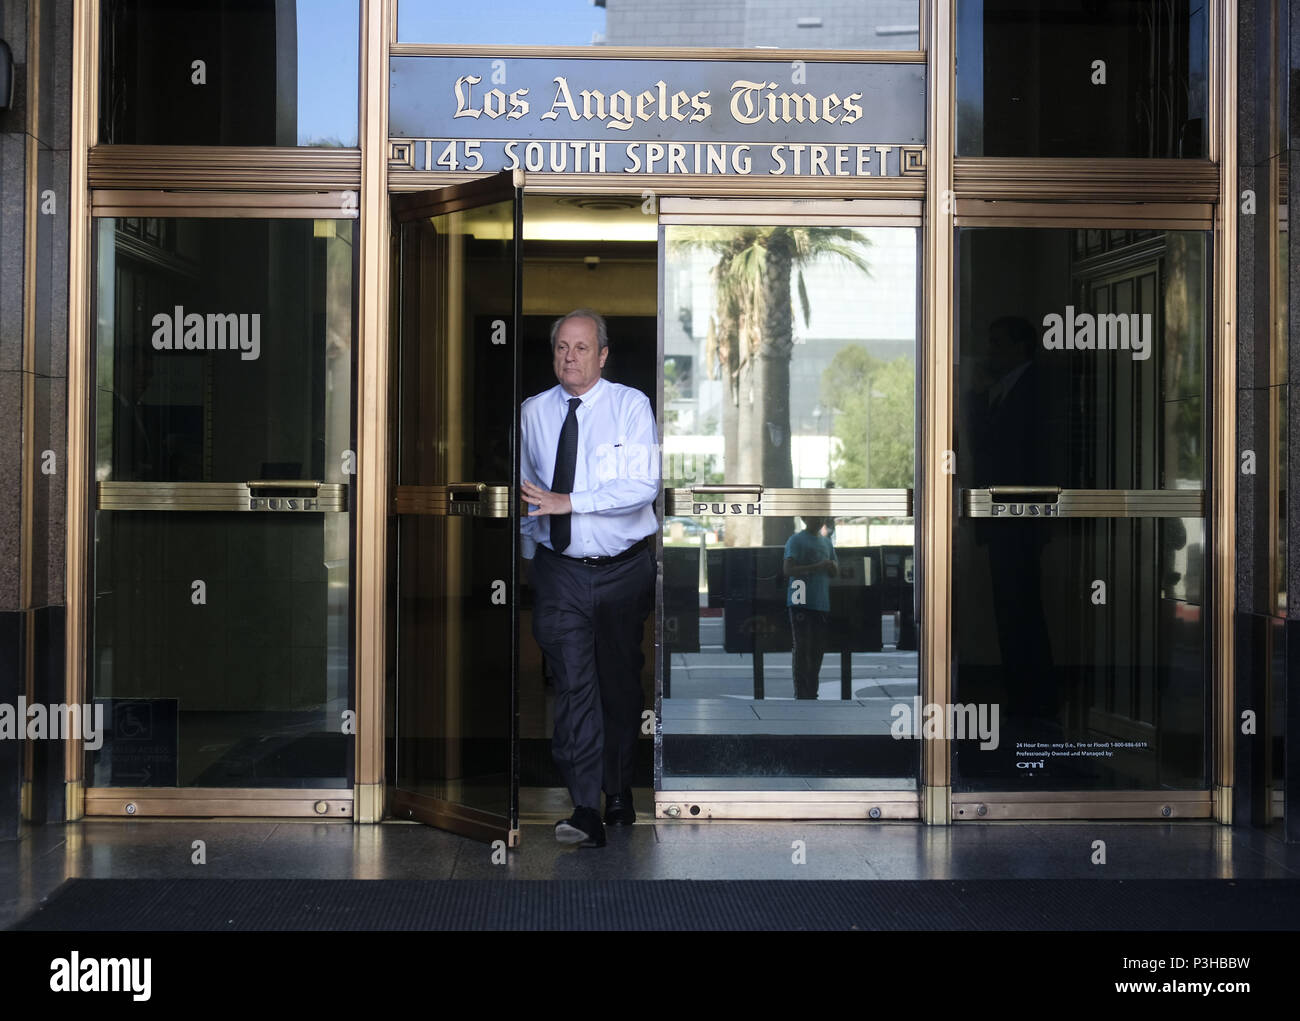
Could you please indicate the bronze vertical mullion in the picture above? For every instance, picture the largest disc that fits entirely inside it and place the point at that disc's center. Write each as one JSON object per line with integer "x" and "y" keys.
{"x": 936, "y": 414}
{"x": 27, "y": 442}
{"x": 1223, "y": 393}
{"x": 370, "y": 526}
{"x": 77, "y": 463}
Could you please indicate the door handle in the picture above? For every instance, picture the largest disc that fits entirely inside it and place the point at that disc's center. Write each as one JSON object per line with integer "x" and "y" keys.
{"x": 313, "y": 484}
{"x": 478, "y": 500}
{"x": 770, "y": 502}
{"x": 257, "y": 496}
{"x": 1049, "y": 494}
{"x": 465, "y": 492}
{"x": 453, "y": 499}
{"x": 1018, "y": 502}
{"x": 728, "y": 489}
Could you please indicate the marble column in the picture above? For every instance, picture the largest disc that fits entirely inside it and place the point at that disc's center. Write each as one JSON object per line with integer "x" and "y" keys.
{"x": 35, "y": 138}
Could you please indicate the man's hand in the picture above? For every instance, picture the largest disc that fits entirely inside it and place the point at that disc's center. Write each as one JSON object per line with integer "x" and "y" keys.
{"x": 546, "y": 501}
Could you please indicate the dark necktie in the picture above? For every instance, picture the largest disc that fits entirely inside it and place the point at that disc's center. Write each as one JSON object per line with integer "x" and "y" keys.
{"x": 566, "y": 461}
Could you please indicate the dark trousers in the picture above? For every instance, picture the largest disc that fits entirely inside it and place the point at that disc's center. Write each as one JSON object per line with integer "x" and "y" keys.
{"x": 589, "y": 622}
{"x": 808, "y": 631}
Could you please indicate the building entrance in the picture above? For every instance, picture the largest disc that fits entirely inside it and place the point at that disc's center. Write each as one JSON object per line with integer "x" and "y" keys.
{"x": 876, "y": 502}
{"x": 481, "y": 274}
{"x": 771, "y": 675}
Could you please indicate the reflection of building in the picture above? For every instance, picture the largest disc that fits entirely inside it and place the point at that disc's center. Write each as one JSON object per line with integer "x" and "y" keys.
{"x": 238, "y": 63}
{"x": 1174, "y": 217}
{"x": 846, "y": 306}
{"x": 810, "y": 24}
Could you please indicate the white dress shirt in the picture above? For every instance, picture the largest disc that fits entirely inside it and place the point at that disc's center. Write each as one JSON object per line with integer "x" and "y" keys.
{"x": 616, "y": 478}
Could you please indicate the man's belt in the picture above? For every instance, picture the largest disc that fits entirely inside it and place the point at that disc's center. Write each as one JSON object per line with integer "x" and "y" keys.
{"x": 636, "y": 547}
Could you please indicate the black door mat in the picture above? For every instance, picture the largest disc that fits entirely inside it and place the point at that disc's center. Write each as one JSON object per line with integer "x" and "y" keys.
{"x": 134, "y": 905}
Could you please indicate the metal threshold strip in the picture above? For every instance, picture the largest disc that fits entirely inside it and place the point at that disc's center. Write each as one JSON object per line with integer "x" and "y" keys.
{"x": 767, "y": 805}
{"x": 1154, "y": 805}
{"x": 267, "y": 496}
{"x": 220, "y": 802}
{"x": 745, "y": 500}
{"x": 1019, "y": 502}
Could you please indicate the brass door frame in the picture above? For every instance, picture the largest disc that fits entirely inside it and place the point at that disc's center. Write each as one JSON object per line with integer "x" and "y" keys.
{"x": 230, "y": 497}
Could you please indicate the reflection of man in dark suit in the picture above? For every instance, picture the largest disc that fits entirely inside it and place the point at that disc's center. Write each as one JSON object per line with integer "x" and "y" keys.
{"x": 1006, "y": 421}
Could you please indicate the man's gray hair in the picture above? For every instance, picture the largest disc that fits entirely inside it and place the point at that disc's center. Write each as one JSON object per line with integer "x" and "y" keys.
{"x": 602, "y": 333}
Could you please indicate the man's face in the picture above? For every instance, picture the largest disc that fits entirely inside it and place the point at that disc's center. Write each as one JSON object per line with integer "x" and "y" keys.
{"x": 578, "y": 355}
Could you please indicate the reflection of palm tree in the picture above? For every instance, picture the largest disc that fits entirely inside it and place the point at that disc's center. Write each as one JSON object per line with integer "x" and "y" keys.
{"x": 751, "y": 339}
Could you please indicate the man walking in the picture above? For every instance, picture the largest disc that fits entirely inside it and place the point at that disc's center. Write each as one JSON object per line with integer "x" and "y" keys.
{"x": 590, "y": 537}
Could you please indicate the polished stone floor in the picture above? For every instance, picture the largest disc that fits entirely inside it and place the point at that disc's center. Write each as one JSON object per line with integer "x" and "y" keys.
{"x": 33, "y": 866}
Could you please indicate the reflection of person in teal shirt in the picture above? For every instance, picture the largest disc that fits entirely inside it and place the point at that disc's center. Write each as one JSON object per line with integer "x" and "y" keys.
{"x": 810, "y": 564}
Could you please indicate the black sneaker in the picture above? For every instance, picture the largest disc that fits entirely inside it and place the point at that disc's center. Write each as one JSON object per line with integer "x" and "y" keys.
{"x": 618, "y": 808}
{"x": 583, "y": 828}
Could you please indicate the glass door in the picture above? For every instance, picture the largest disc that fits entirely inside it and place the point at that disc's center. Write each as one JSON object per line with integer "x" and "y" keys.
{"x": 788, "y": 631}
{"x": 454, "y": 747}
{"x": 221, "y": 627}
{"x": 1080, "y": 569}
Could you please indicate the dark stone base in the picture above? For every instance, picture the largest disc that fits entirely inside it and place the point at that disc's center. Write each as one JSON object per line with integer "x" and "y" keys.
{"x": 11, "y": 750}
{"x": 48, "y": 776}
